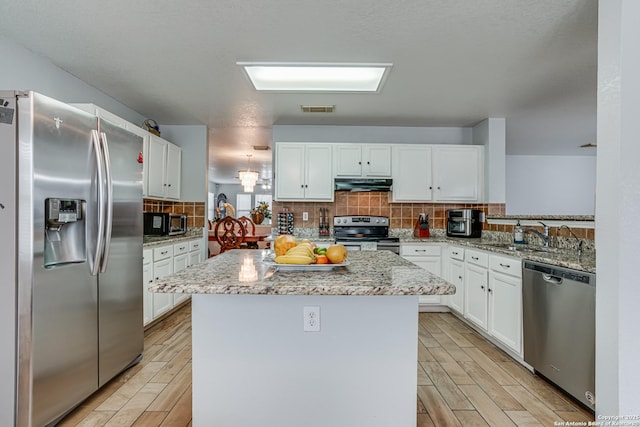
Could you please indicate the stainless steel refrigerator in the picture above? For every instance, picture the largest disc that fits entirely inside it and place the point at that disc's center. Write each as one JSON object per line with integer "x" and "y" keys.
{"x": 70, "y": 256}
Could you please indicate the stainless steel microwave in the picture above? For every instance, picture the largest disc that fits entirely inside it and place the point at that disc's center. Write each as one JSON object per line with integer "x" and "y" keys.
{"x": 464, "y": 223}
{"x": 164, "y": 224}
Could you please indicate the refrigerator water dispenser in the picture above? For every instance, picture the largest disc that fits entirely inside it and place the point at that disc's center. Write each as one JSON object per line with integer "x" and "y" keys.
{"x": 64, "y": 241}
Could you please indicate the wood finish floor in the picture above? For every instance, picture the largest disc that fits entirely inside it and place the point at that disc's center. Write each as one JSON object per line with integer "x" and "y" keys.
{"x": 463, "y": 380}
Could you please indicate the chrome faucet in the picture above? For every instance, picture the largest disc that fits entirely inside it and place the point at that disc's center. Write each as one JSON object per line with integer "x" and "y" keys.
{"x": 544, "y": 236}
{"x": 574, "y": 235}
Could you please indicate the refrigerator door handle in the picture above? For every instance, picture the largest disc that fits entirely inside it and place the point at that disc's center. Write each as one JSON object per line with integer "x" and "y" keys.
{"x": 100, "y": 201}
{"x": 108, "y": 203}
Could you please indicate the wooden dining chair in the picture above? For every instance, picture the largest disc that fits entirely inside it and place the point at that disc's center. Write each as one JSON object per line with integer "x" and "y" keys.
{"x": 230, "y": 233}
{"x": 249, "y": 226}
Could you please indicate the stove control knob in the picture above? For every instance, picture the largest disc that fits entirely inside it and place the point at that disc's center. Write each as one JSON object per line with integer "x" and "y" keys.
{"x": 377, "y": 220}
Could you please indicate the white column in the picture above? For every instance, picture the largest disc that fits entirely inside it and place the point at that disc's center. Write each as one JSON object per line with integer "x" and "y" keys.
{"x": 618, "y": 210}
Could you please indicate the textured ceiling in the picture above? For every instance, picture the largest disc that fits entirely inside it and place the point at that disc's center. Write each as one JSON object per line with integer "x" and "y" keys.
{"x": 455, "y": 63}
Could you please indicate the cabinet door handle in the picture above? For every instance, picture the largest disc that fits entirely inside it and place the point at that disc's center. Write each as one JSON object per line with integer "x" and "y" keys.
{"x": 368, "y": 163}
{"x": 301, "y": 185}
{"x": 359, "y": 163}
{"x": 430, "y": 188}
{"x": 489, "y": 289}
{"x": 460, "y": 277}
{"x": 438, "y": 188}
{"x": 482, "y": 287}
{"x": 505, "y": 265}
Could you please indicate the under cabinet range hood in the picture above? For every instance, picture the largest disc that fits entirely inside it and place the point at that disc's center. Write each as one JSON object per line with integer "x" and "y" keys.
{"x": 363, "y": 184}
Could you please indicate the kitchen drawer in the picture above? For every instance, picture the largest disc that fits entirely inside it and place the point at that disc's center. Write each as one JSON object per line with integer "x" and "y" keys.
{"x": 506, "y": 265}
{"x": 410, "y": 249}
{"x": 195, "y": 245}
{"x": 147, "y": 256}
{"x": 162, "y": 252}
{"x": 480, "y": 259}
{"x": 456, "y": 252}
{"x": 180, "y": 248}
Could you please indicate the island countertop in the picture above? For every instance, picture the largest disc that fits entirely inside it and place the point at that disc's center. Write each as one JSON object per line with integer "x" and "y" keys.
{"x": 368, "y": 273}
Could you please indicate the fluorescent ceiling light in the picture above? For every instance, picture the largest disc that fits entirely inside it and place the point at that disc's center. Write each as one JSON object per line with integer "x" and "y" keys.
{"x": 316, "y": 77}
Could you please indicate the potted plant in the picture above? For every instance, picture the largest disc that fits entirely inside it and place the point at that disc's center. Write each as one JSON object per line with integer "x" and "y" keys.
{"x": 260, "y": 212}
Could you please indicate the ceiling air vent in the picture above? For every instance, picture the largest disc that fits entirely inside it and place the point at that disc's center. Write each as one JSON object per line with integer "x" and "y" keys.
{"x": 261, "y": 147}
{"x": 318, "y": 108}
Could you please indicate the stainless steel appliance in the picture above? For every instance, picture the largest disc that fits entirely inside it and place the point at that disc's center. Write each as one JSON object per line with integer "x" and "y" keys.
{"x": 464, "y": 223}
{"x": 71, "y": 311}
{"x": 559, "y": 327}
{"x": 364, "y": 233}
{"x": 164, "y": 224}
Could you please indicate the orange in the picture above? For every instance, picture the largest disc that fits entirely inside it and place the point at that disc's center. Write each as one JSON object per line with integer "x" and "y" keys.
{"x": 336, "y": 254}
{"x": 322, "y": 259}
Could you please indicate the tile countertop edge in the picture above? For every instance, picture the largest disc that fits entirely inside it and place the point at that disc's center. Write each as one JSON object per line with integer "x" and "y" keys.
{"x": 376, "y": 273}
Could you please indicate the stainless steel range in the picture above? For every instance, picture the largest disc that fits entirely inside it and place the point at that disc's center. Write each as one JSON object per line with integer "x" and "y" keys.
{"x": 364, "y": 233}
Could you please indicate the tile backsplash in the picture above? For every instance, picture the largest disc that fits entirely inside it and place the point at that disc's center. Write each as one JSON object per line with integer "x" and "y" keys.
{"x": 194, "y": 211}
{"x": 401, "y": 215}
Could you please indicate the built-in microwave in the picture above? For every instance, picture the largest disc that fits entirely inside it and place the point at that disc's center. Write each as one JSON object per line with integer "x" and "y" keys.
{"x": 164, "y": 224}
{"x": 464, "y": 223}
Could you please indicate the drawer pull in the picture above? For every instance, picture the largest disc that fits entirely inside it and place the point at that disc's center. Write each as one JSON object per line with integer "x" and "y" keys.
{"x": 455, "y": 253}
{"x": 475, "y": 258}
{"x": 420, "y": 250}
{"x": 164, "y": 252}
{"x": 505, "y": 265}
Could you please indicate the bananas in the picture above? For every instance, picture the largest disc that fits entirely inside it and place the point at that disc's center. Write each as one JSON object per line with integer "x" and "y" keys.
{"x": 300, "y": 254}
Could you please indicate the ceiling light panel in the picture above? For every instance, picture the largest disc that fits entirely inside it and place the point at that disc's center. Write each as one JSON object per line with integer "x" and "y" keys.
{"x": 315, "y": 77}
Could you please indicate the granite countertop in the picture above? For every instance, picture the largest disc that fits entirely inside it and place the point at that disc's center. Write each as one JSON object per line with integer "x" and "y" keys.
{"x": 560, "y": 257}
{"x": 547, "y": 217}
{"x": 368, "y": 273}
{"x": 151, "y": 241}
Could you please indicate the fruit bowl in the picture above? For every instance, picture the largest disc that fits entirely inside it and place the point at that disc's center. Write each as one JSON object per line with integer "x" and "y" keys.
{"x": 302, "y": 267}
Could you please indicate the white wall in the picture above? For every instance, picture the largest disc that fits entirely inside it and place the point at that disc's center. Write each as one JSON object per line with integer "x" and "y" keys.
{"x": 193, "y": 140}
{"x": 21, "y": 69}
{"x": 492, "y": 134}
{"x": 550, "y": 185}
{"x": 617, "y": 211}
{"x": 373, "y": 134}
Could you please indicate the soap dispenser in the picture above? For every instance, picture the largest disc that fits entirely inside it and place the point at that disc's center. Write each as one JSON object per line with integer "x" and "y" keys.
{"x": 518, "y": 234}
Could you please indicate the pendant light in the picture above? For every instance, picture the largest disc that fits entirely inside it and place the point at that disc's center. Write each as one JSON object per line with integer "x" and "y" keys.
{"x": 248, "y": 178}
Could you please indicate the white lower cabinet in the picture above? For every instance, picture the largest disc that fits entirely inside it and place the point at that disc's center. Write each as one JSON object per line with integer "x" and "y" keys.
{"x": 505, "y": 301}
{"x": 493, "y": 296}
{"x": 429, "y": 257}
{"x": 162, "y": 302}
{"x": 160, "y": 262}
{"x": 476, "y": 287}
{"x": 147, "y": 277}
{"x": 456, "y": 276}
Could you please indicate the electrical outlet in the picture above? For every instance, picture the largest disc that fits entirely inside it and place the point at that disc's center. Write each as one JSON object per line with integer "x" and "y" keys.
{"x": 311, "y": 318}
{"x": 305, "y": 216}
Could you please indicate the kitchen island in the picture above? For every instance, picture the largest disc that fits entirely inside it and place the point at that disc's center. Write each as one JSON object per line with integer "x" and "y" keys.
{"x": 253, "y": 364}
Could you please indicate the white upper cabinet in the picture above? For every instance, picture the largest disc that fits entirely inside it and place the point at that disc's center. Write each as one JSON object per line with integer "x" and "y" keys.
{"x": 362, "y": 160}
{"x": 457, "y": 173}
{"x": 437, "y": 173}
{"x": 412, "y": 173}
{"x": 303, "y": 172}
{"x": 164, "y": 161}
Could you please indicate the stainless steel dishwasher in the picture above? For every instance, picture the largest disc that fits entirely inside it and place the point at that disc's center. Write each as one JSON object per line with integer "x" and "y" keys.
{"x": 559, "y": 327}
